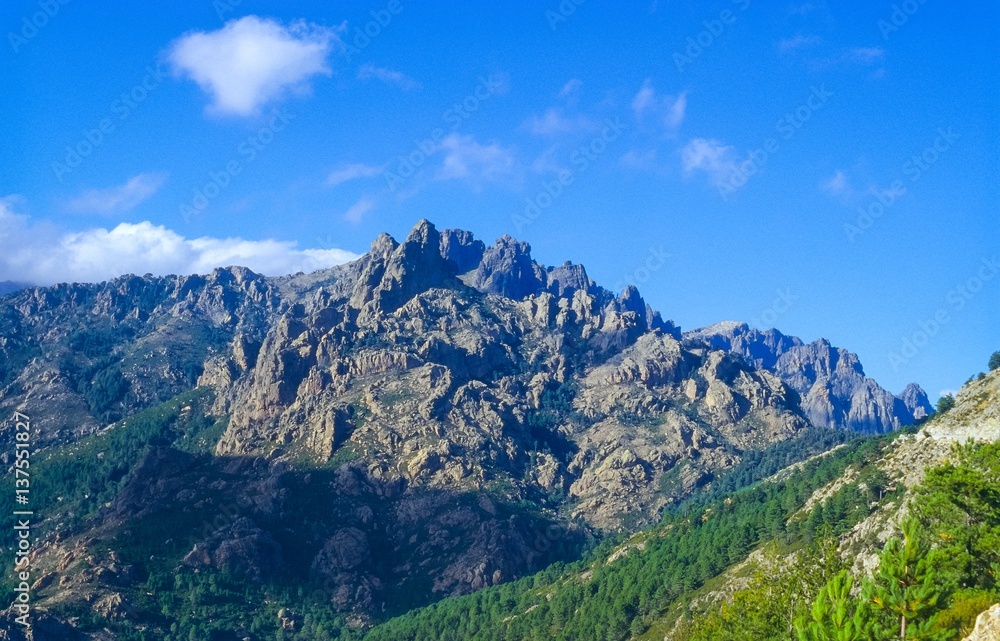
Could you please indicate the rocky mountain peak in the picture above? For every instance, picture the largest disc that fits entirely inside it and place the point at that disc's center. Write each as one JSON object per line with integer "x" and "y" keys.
{"x": 631, "y": 300}
{"x": 761, "y": 348}
{"x": 420, "y": 393}
{"x": 383, "y": 245}
{"x": 9, "y": 287}
{"x": 462, "y": 248}
{"x": 507, "y": 269}
{"x": 831, "y": 380}
{"x": 393, "y": 273}
{"x": 425, "y": 236}
{"x": 914, "y": 398}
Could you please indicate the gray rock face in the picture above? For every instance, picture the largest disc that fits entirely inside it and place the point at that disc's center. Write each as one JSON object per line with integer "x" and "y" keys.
{"x": 462, "y": 248}
{"x": 532, "y": 374}
{"x": 507, "y": 270}
{"x": 987, "y": 626}
{"x": 405, "y": 404}
{"x": 915, "y": 400}
{"x": 138, "y": 340}
{"x": 832, "y": 384}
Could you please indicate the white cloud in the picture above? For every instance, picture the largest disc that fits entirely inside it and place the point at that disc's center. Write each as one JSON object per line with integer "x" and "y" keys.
{"x": 42, "y": 255}
{"x": 837, "y": 185}
{"x": 571, "y": 90}
{"x": 642, "y": 160}
{"x": 466, "y": 158}
{"x": 675, "y": 111}
{"x": 670, "y": 109}
{"x": 788, "y": 45}
{"x": 840, "y": 186}
{"x": 553, "y": 123}
{"x": 352, "y": 172}
{"x": 9, "y": 217}
{"x": 252, "y": 61}
{"x": 866, "y": 55}
{"x": 716, "y": 160}
{"x": 547, "y": 162}
{"x": 389, "y": 76}
{"x": 120, "y": 198}
{"x": 358, "y": 210}
{"x": 644, "y": 99}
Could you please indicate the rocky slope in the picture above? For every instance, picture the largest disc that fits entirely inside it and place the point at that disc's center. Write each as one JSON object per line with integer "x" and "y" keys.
{"x": 77, "y": 357}
{"x": 435, "y": 417}
{"x": 974, "y": 418}
{"x": 830, "y": 381}
{"x": 531, "y": 374}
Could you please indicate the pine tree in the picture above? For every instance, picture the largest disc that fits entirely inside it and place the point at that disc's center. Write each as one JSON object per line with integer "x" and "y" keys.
{"x": 945, "y": 403}
{"x": 835, "y": 616}
{"x": 904, "y": 588}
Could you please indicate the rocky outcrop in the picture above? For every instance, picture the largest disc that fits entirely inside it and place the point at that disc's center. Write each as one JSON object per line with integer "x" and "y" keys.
{"x": 80, "y": 356}
{"x": 832, "y": 384}
{"x": 44, "y": 627}
{"x": 975, "y": 417}
{"x": 240, "y": 546}
{"x": 462, "y": 248}
{"x": 507, "y": 270}
{"x": 915, "y": 402}
{"x": 987, "y": 626}
{"x": 389, "y": 419}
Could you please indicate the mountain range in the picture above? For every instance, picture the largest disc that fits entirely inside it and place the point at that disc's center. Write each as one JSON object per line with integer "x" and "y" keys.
{"x": 435, "y": 418}
{"x": 7, "y": 287}
{"x": 830, "y": 381}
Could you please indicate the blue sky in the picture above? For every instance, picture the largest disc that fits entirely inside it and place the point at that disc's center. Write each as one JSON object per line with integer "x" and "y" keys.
{"x": 826, "y": 168}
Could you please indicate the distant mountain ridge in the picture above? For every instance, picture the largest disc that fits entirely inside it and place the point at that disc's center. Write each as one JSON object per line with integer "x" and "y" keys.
{"x": 830, "y": 380}
{"x": 9, "y": 287}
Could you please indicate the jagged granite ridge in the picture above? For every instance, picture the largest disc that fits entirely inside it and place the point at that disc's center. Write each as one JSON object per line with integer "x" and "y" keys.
{"x": 415, "y": 394}
{"x": 830, "y": 380}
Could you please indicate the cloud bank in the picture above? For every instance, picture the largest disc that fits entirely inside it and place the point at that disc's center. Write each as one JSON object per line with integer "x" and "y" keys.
{"x": 43, "y": 255}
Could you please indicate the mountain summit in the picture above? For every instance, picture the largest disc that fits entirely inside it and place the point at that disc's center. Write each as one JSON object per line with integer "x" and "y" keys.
{"x": 399, "y": 428}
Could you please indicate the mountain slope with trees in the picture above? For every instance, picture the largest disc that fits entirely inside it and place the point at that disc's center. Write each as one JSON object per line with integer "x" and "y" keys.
{"x": 315, "y": 455}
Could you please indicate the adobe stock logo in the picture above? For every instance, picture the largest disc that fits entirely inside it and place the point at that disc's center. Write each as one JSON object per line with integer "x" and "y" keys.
{"x": 704, "y": 39}
{"x": 787, "y": 127}
{"x": 247, "y": 151}
{"x": 365, "y": 34}
{"x": 562, "y": 12}
{"x": 901, "y": 14}
{"x": 914, "y": 169}
{"x": 955, "y": 301}
{"x": 410, "y": 163}
{"x": 581, "y": 160}
{"x": 92, "y": 138}
{"x": 33, "y": 24}
{"x": 781, "y": 304}
{"x": 655, "y": 260}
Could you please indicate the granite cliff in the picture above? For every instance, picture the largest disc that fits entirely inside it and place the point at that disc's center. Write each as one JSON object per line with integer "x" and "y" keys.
{"x": 433, "y": 418}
